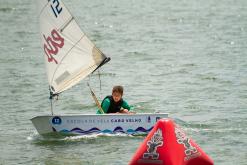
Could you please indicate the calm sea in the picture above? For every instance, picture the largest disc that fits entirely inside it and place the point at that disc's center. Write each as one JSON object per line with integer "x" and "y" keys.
{"x": 184, "y": 57}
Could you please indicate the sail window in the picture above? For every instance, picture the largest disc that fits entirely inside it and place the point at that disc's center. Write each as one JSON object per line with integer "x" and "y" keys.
{"x": 62, "y": 77}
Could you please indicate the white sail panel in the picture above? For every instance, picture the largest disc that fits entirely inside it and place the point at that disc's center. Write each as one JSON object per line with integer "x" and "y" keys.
{"x": 69, "y": 55}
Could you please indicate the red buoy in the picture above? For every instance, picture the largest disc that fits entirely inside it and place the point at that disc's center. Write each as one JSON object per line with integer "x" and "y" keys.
{"x": 167, "y": 144}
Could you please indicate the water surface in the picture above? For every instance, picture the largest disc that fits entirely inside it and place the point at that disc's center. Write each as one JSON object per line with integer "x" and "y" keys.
{"x": 186, "y": 58}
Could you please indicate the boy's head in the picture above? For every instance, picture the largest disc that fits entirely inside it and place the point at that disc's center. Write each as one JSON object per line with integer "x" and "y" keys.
{"x": 117, "y": 93}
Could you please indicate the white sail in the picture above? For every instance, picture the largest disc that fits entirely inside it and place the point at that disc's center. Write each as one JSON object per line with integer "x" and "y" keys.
{"x": 69, "y": 55}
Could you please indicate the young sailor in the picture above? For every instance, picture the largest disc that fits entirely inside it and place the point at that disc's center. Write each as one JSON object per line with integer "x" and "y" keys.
{"x": 115, "y": 102}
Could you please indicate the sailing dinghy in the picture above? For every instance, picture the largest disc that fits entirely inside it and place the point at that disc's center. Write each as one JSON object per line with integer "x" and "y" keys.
{"x": 70, "y": 57}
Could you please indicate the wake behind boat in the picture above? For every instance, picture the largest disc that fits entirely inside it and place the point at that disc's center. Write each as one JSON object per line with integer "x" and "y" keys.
{"x": 70, "y": 57}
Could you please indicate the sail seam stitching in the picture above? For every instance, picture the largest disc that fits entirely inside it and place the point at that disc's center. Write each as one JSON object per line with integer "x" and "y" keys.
{"x": 66, "y": 24}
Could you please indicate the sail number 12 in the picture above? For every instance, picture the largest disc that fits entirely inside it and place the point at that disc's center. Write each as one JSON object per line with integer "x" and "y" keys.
{"x": 55, "y": 7}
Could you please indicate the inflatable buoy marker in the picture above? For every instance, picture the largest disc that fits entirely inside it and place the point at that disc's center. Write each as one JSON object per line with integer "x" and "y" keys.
{"x": 167, "y": 144}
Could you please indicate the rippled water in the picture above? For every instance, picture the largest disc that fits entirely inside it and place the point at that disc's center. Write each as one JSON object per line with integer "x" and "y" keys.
{"x": 184, "y": 57}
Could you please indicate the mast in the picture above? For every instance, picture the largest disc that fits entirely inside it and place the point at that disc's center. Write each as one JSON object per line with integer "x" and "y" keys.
{"x": 51, "y": 101}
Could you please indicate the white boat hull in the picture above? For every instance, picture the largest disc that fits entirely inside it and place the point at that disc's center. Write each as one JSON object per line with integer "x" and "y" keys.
{"x": 134, "y": 124}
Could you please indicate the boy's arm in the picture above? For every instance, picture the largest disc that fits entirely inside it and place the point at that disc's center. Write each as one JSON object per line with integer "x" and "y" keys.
{"x": 105, "y": 106}
{"x": 126, "y": 105}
